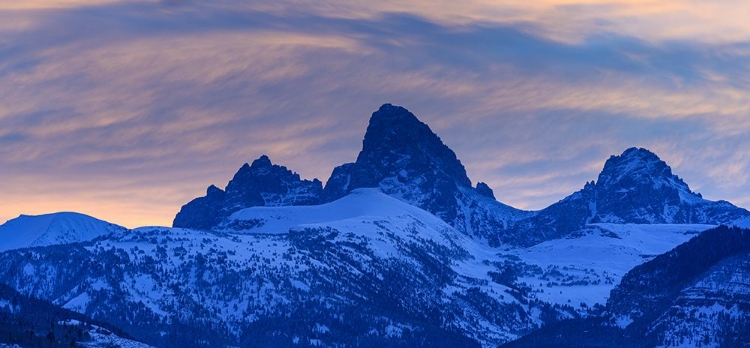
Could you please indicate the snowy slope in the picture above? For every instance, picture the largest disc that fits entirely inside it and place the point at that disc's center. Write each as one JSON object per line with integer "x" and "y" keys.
{"x": 585, "y": 268}
{"x": 697, "y": 294}
{"x": 361, "y": 204}
{"x": 49, "y": 229}
{"x": 713, "y": 308}
{"x": 396, "y": 272}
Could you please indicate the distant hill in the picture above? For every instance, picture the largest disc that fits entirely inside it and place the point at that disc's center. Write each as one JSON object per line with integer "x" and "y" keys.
{"x": 50, "y": 229}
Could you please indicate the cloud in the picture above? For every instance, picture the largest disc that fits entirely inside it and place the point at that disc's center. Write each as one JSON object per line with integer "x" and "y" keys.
{"x": 13, "y": 5}
{"x": 153, "y": 104}
{"x": 561, "y": 20}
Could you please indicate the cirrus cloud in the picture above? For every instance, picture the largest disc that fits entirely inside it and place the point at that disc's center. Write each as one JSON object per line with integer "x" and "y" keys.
{"x": 127, "y": 110}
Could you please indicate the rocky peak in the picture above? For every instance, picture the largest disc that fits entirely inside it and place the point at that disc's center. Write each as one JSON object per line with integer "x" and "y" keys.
{"x": 391, "y": 123}
{"x": 214, "y": 191}
{"x": 637, "y": 167}
{"x": 635, "y": 187}
{"x": 262, "y": 162}
{"x": 405, "y": 159}
{"x": 260, "y": 184}
{"x": 397, "y": 141}
{"x": 638, "y": 187}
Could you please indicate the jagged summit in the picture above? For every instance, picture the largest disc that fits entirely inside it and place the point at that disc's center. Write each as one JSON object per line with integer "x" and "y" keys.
{"x": 262, "y": 161}
{"x": 485, "y": 190}
{"x": 261, "y": 183}
{"x": 639, "y": 187}
{"x": 400, "y": 155}
{"x": 405, "y": 159}
{"x": 213, "y": 190}
{"x": 634, "y": 187}
{"x": 396, "y": 140}
{"x": 398, "y": 145}
{"x": 636, "y": 167}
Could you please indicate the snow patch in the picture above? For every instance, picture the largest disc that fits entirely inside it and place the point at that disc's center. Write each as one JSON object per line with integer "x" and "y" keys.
{"x": 622, "y": 321}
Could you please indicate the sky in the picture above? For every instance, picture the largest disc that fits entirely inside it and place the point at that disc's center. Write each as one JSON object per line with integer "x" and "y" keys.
{"x": 126, "y": 110}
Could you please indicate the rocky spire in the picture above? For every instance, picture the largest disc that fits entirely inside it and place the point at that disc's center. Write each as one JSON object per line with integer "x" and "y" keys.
{"x": 404, "y": 158}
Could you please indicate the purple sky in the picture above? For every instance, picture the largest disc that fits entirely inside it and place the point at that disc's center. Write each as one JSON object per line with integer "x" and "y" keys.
{"x": 127, "y": 110}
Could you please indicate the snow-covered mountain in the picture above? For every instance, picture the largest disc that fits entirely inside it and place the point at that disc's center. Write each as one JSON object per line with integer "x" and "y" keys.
{"x": 365, "y": 267}
{"x": 635, "y": 187}
{"x": 49, "y": 229}
{"x": 403, "y": 158}
{"x": 398, "y": 249}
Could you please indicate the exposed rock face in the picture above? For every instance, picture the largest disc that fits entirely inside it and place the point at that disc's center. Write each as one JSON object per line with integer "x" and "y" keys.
{"x": 638, "y": 187}
{"x": 201, "y": 213}
{"x": 267, "y": 184}
{"x": 400, "y": 155}
{"x": 405, "y": 159}
{"x": 485, "y": 190}
{"x": 260, "y": 184}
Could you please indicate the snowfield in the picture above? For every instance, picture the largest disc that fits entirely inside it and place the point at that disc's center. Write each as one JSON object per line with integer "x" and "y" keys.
{"x": 585, "y": 268}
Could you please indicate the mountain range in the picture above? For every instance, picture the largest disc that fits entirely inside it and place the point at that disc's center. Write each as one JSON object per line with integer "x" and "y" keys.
{"x": 398, "y": 248}
{"x": 403, "y": 158}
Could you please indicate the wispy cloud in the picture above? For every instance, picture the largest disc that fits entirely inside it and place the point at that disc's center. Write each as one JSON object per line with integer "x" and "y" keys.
{"x": 135, "y": 107}
{"x": 6, "y": 5}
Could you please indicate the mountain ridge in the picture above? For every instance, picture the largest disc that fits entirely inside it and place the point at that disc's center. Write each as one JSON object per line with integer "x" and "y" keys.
{"x": 261, "y": 183}
{"x": 634, "y": 187}
{"x": 404, "y": 158}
